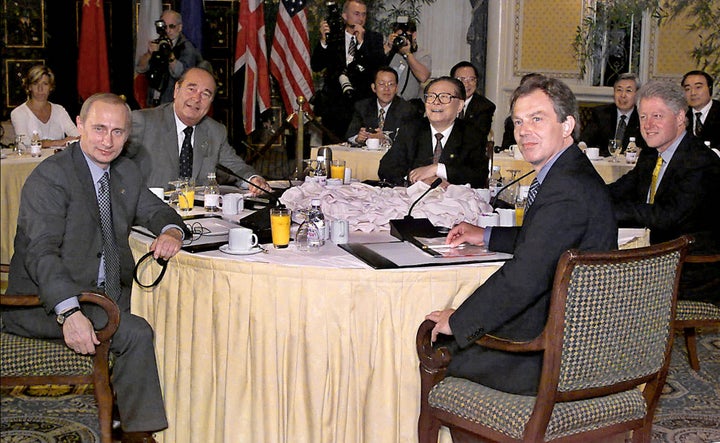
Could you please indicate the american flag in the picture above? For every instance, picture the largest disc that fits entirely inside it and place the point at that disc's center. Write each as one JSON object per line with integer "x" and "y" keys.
{"x": 251, "y": 52}
{"x": 290, "y": 57}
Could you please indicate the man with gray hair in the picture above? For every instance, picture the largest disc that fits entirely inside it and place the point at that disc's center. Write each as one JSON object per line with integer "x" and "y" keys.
{"x": 673, "y": 188}
{"x": 617, "y": 120}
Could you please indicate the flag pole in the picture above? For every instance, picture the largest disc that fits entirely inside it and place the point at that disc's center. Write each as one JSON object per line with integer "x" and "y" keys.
{"x": 299, "y": 141}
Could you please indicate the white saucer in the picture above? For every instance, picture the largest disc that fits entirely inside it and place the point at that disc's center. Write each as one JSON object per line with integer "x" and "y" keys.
{"x": 251, "y": 251}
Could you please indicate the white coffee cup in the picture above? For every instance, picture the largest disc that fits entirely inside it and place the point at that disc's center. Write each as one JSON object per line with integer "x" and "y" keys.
{"x": 491, "y": 219}
{"x": 373, "y": 143}
{"x": 232, "y": 204}
{"x": 159, "y": 192}
{"x": 241, "y": 239}
{"x": 507, "y": 217}
{"x": 339, "y": 231}
{"x": 593, "y": 153}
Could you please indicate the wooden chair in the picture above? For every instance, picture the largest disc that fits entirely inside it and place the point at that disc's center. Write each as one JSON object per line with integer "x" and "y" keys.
{"x": 691, "y": 315}
{"x": 30, "y": 361}
{"x": 609, "y": 331}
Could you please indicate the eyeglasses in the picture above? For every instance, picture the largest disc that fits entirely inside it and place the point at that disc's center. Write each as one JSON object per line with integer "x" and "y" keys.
{"x": 385, "y": 84}
{"x": 172, "y": 26}
{"x": 204, "y": 94}
{"x": 444, "y": 98}
{"x": 467, "y": 79}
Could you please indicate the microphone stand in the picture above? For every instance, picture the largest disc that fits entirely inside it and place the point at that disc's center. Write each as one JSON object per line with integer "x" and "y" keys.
{"x": 408, "y": 228}
{"x": 493, "y": 201}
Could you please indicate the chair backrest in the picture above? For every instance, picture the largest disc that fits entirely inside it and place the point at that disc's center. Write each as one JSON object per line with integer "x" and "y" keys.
{"x": 612, "y": 313}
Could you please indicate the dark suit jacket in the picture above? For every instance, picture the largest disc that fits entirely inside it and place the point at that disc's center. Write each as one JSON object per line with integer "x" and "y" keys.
{"x": 602, "y": 126}
{"x": 153, "y": 145}
{"x": 399, "y": 115}
{"x": 335, "y": 108}
{"x": 711, "y": 127}
{"x": 572, "y": 209}
{"x": 480, "y": 113}
{"x": 463, "y": 154}
{"x": 59, "y": 240}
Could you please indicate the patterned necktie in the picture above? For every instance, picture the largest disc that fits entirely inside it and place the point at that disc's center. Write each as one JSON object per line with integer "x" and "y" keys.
{"x": 532, "y": 192}
{"x": 381, "y": 119}
{"x": 186, "y": 154}
{"x": 352, "y": 48}
{"x": 438, "y": 148}
{"x": 110, "y": 250}
{"x": 654, "y": 182}
{"x": 620, "y": 132}
{"x": 698, "y": 124}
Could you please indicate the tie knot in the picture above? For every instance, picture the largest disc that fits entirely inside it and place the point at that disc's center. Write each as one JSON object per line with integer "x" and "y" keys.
{"x": 104, "y": 182}
{"x": 381, "y": 112}
{"x": 623, "y": 117}
{"x": 698, "y": 114}
{"x": 438, "y": 136}
{"x": 188, "y": 131}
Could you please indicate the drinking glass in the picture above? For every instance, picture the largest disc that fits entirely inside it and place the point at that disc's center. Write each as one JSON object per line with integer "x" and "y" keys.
{"x": 20, "y": 145}
{"x": 615, "y": 148}
{"x": 175, "y": 196}
{"x": 337, "y": 169}
{"x": 186, "y": 197}
{"x": 280, "y": 227}
{"x": 512, "y": 190}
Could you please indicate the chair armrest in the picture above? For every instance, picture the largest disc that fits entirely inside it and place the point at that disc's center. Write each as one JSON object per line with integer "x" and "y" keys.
{"x": 709, "y": 258}
{"x": 110, "y": 307}
{"x": 502, "y": 344}
{"x": 431, "y": 358}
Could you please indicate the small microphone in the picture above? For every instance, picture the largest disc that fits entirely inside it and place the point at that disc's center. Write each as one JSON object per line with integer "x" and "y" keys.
{"x": 229, "y": 171}
{"x": 408, "y": 228}
{"x": 493, "y": 201}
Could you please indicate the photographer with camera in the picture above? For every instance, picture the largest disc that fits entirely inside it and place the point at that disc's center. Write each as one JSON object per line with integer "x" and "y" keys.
{"x": 349, "y": 54}
{"x": 167, "y": 58}
{"x": 404, "y": 56}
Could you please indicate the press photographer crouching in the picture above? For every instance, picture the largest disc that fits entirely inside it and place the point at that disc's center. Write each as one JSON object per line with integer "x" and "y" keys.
{"x": 412, "y": 65}
{"x": 167, "y": 58}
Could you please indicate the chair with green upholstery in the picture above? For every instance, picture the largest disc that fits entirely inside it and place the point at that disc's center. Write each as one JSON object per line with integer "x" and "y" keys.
{"x": 30, "y": 361}
{"x": 692, "y": 315}
{"x": 606, "y": 350}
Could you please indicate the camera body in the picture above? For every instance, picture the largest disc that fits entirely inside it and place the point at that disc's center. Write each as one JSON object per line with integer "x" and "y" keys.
{"x": 336, "y": 22}
{"x": 404, "y": 28}
{"x": 163, "y": 41}
{"x": 159, "y": 60}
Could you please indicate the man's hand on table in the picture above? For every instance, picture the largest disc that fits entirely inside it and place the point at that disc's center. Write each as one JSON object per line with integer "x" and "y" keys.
{"x": 423, "y": 173}
{"x": 465, "y": 232}
{"x": 442, "y": 322}
{"x": 260, "y": 182}
{"x": 167, "y": 244}
{"x": 366, "y": 133}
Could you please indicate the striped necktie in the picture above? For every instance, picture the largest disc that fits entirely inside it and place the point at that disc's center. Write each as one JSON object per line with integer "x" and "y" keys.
{"x": 352, "y": 48}
{"x": 620, "y": 132}
{"x": 110, "y": 249}
{"x": 438, "y": 148}
{"x": 654, "y": 182}
{"x": 532, "y": 192}
{"x": 381, "y": 118}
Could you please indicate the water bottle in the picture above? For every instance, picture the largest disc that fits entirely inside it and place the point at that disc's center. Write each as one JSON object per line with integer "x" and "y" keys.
{"x": 316, "y": 216}
{"x": 631, "y": 153}
{"x": 212, "y": 194}
{"x": 307, "y": 238}
{"x": 35, "y": 145}
{"x": 321, "y": 171}
{"x": 495, "y": 183}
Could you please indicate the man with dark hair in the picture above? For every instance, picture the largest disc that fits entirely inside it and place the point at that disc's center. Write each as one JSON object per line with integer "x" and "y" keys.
{"x": 673, "y": 188}
{"x": 349, "y": 58}
{"x": 412, "y": 64}
{"x": 617, "y": 120}
{"x": 76, "y": 211}
{"x": 381, "y": 116}
{"x": 569, "y": 207}
{"x": 703, "y": 113}
{"x": 478, "y": 110}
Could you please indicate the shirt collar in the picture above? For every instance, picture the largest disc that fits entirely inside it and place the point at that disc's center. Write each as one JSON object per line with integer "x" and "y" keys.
{"x": 386, "y": 108}
{"x": 546, "y": 167}
{"x": 445, "y": 133}
{"x": 95, "y": 171}
{"x": 704, "y": 111}
{"x": 667, "y": 154}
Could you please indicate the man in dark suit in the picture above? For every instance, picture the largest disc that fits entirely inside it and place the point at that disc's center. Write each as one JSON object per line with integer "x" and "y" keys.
{"x": 478, "y": 110}
{"x": 440, "y": 145}
{"x": 61, "y": 250}
{"x": 618, "y": 120}
{"x": 703, "y": 113}
{"x": 386, "y": 110}
{"x": 349, "y": 58}
{"x": 159, "y": 135}
{"x": 571, "y": 209}
{"x": 673, "y": 188}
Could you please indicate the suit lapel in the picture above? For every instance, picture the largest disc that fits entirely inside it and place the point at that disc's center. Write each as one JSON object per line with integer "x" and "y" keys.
{"x": 87, "y": 187}
{"x": 200, "y": 148}
{"x": 677, "y": 159}
{"x": 451, "y": 146}
{"x": 170, "y": 131}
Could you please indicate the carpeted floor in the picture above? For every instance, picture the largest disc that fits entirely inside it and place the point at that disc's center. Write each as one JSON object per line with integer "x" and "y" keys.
{"x": 689, "y": 410}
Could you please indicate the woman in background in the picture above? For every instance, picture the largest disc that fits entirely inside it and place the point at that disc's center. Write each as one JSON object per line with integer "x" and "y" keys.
{"x": 37, "y": 114}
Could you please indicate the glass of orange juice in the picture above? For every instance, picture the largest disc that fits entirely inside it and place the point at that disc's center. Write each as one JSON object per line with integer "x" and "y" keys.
{"x": 186, "y": 195}
{"x": 280, "y": 226}
{"x": 337, "y": 169}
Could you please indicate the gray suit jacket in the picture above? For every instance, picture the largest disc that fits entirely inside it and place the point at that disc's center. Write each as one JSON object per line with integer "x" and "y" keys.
{"x": 58, "y": 244}
{"x": 154, "y": 147}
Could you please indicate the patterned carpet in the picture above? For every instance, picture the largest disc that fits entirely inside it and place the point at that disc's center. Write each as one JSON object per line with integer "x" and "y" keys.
{"x": 689, "y": 410}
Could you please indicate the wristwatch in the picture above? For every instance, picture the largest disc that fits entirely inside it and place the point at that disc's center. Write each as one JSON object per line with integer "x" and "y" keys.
{"x": 61, "y": 317}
